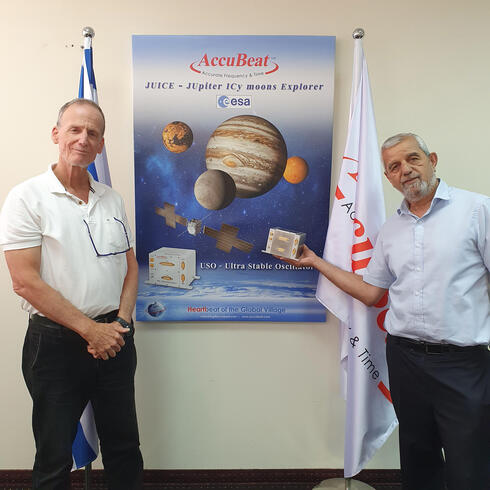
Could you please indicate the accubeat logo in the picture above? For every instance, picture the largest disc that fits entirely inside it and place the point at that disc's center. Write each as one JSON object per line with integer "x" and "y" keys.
{"x": 233, "y": 101}
{"x": 240, "y": 60}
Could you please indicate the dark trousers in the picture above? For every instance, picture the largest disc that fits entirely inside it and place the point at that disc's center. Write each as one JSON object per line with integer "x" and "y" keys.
{"x": 442, "y": 401}
{"x": 62, "y": 377}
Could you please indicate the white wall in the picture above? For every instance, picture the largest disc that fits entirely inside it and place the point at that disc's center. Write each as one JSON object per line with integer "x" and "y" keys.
{"x": 235, "y": 395}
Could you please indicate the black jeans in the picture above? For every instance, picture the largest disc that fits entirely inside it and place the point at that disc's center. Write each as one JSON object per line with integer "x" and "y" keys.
{"x": 62, "y": 377}
{"x": 442, "y": 401}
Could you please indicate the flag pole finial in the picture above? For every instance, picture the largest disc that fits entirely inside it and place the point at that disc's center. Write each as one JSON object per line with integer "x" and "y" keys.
{"x": 88, "y": 32}
{"x": 358, "y": 33}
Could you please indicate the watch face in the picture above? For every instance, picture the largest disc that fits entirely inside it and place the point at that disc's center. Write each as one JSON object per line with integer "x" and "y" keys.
{"x": 125, "y": 324}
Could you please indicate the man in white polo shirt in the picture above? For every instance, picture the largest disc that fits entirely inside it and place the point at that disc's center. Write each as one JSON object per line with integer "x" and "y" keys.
{"x": 69, "y": 251}
{"x": 433, "y": 256}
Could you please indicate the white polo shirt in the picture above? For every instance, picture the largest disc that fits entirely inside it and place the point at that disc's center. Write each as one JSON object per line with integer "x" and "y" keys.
{"x": 80, "y": 243}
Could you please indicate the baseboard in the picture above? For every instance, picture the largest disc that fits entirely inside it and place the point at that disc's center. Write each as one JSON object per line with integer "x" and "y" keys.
{"x": 291, "y": 479}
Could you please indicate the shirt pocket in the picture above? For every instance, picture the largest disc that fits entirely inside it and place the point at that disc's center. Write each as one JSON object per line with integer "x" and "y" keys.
{"x": 109, "y": 236}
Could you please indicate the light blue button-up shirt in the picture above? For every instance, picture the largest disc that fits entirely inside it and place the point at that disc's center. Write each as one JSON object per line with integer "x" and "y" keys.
{"x": 437, "y": 269}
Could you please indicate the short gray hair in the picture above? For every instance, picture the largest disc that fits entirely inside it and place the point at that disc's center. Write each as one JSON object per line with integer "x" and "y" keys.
{"x": 394, "y": 140}
{"x": 81, "y": 102}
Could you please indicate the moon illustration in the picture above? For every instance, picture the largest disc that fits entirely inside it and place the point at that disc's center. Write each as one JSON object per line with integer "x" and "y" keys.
{"x": 251, "y": 150}
{"x": 214, "y": 189}
{"x": 177, "y": 137}
{"x": 296, "y": 170}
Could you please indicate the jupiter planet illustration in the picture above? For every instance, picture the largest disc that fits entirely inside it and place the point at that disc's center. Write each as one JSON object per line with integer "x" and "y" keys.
{"x": 251, "y": 150}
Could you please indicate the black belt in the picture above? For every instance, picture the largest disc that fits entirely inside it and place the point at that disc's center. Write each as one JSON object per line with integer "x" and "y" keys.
{"x": 432, "y": 348}
{"x": 104, "y": 318}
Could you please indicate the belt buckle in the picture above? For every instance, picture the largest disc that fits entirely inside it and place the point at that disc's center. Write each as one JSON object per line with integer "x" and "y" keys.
{"x": 434, "y": 348}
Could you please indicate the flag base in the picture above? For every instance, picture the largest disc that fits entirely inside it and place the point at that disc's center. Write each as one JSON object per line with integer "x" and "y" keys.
{"x": 342, "y": 484}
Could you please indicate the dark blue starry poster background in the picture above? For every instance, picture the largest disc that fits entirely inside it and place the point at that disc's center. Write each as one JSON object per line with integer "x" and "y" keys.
{"x": 281, "y": 83}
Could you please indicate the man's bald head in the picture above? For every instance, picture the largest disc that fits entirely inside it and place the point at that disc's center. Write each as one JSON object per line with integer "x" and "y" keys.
{"x": 65, "y": 106}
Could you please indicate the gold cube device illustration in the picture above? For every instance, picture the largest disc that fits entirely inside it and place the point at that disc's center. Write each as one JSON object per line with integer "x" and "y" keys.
{"x": 285, "y": 243}
{"x": 174, "y": 267}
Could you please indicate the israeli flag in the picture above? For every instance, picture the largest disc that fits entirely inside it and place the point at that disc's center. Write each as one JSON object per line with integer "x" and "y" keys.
{"x": 86, "y": 444}
{"x": 88, "y": 90}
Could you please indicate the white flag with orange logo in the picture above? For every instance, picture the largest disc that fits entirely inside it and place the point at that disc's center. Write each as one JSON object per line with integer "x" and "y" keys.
{"x": 357, "y": 215}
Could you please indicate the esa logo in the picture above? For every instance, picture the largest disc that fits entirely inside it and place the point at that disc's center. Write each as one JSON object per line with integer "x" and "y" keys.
{"x": 233, "y": 101}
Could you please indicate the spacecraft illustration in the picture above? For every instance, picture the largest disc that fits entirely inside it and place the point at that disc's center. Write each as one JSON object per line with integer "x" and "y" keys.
{"x": 284, "y": 243}
{"x": 193, "y": 226}
{"x": 226, "y": 236}
{"x": 175, "y": 267}
{"x": 168, "y": 212}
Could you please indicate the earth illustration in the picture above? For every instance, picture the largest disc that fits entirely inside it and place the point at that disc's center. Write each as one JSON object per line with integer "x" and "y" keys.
{"x": 251, "y": 150}
{"x": 155, "y": 309}
{"x": 177, "y": 137}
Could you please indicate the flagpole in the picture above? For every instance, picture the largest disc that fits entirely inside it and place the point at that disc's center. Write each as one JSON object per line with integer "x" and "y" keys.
{"x": 88, "y": 32}
{"x": 347, "y": 483}
{"x": 88, "y": 476}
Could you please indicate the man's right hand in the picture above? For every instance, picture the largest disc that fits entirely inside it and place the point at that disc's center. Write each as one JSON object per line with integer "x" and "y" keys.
{"x": 347, "y": 281}
{"x": 105, "y": 339}
{"x": 307, "y": 258}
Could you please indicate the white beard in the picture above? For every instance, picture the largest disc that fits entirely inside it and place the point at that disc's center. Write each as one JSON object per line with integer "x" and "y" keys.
{"x": 419, "y": 189}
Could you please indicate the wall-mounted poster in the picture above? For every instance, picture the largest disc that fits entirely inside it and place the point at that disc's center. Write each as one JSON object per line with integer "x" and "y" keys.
{"x": 232, "y": 151}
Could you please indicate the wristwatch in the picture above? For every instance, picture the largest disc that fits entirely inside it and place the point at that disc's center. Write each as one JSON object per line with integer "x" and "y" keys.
{"x": 123, "y": 322}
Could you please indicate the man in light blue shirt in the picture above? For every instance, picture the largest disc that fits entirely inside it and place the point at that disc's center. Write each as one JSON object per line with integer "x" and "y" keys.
{"x": 433, "y": 256}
